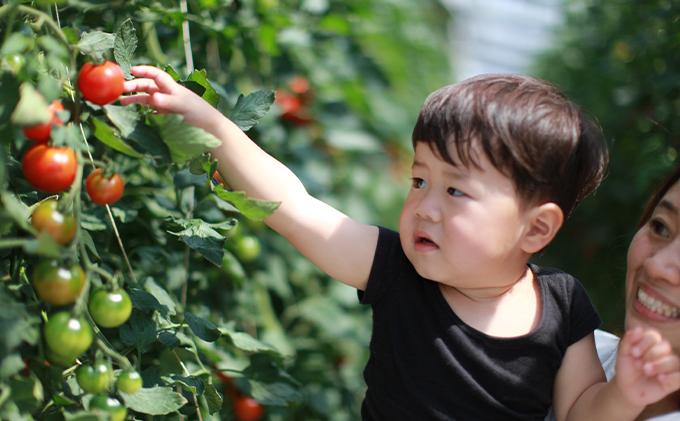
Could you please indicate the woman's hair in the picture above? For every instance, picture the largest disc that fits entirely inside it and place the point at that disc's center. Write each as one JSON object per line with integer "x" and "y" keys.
{"x": 526, "y": 127}
{"x": 665, "y": 185}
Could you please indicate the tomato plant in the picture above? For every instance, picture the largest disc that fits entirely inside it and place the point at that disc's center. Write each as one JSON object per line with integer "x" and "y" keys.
{"x": 41, "y": 132}
{"x": 49, "y": 168}
{"x": 110, "y": 308}
{"x": 104, "y": 190}
{"x": 67, "y": 336}
{"x": 57, "y": 284}
{"x": 247, "y": 409}
{"x": 94, "y": 378}
{"x": 129, "y": 381}
{"x": 108, "y": 405}
{"x": 101, "y": 84}
{"x": 47, "y": 218}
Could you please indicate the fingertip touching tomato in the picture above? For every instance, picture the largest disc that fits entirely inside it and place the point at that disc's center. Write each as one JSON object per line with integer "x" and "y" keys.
{"x": 108, "y": 405}
{"x": 104, "y": 190}
{"x": 101, "y": 84}
{"x": 129, "y": 382}
{"x": 48, "y": 168}
{"x": 247, "y": 409}
{"x": 47, "y": 218}
{"x": 41, "y": 132}
{"x": 57, "y": 284}
{"x": 110, "y": 308}
{"x": 67, "y": 336}
{"x": 94, "y": 378}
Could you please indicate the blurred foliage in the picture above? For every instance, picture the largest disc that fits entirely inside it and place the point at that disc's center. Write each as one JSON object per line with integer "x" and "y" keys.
{"x": 620, "y": 60}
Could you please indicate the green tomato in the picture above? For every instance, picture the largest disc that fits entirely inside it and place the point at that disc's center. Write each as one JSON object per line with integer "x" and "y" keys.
{"x": 94, "y": 378}
{"x": 57, "y": 284}
{"x": 111, "y": 406}
{"x": 67, "y": 336}
{"x": 247, "y": 248}
{"x": 60, "y": 226}
{"x": 110, "y": 308}
{"x": 129, "y": 382}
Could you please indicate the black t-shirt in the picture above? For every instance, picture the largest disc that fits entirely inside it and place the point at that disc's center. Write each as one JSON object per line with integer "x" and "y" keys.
{"x": 427, "y": 364}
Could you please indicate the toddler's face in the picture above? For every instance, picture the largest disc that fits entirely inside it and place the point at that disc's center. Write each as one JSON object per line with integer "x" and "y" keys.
{"x": 462, "y": 226}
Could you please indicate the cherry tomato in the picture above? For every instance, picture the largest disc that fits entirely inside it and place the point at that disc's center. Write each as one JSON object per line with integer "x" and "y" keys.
{"x": 57, "y": 284}
{"x": 218, "y": 177}
{"x": 129, "y": 382}
{"x": 103, "y": 190}
{"x": 248, "y": 247}
{"x": 41, "y": 132}
{"x": 94, "y": 378}
{"x": 67, "y": 336}
{"x": 111, "y": 406}
{"x": 299, "y": 84}
{"x": 101, "y": 84}
{"x": 110, "y": 308}
{"x": 50, "y": 169}
{"x": 46, "y": 218}
{"x": 247, "y": 409}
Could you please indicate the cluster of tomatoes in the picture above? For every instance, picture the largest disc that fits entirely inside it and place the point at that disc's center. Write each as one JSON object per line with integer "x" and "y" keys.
{"x": 294, "y": 101}
{"x": 53, "y": 169}
{"x": 245, "y": 407}
{"x": 60, "y": 283}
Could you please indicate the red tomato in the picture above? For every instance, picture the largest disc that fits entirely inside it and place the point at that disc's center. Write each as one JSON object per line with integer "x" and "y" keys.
{"x": 46, "y": 218}
{"x": 41, "y": 132}
{"x": 102, "y": 190}
{"x": 247, "y": 409}
{"x": 299, "y": 84}
{"x": 50, "y": 169}
{"x": 101, "y": 84}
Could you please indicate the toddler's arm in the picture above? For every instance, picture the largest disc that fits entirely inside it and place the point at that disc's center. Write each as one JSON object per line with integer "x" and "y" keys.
{"x": 340, "y": 246}
{"x": 647, "y": 370}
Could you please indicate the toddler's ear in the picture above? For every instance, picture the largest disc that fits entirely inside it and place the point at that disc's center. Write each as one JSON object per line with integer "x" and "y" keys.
{"x": 543, "y": 221}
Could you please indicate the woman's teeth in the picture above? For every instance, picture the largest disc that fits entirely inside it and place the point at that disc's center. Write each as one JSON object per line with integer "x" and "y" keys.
{"x": 656, "y": 305}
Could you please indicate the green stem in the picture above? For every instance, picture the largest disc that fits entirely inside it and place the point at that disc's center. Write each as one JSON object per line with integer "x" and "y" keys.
{"x": 12, "y": 242}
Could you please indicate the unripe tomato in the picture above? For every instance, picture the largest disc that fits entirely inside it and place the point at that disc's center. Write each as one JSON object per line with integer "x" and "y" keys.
{"x": 247, "y": 409}
{"x": 101, "y": 84}
{"x": 248, "y": 247}
{"x": 67, "y": 336}
{"x": 57, "y": 284}
{"x": 129, "y": 382}
{"x": 46, "y": 218}
{"x": 110, "y": 308}
{"x": 50, "y": 169}
{"x": 111, "y": 406}
{"x": 94, "y": 378}
{"x": 103, "y": 190}
{"x": 41, "y": 132}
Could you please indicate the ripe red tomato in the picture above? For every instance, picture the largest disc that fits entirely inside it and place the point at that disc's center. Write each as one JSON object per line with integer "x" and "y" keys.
{"x": 57, "y": 284}
{"x": 247, "y": 409}
{"x": 129, "y": 382}
{"x": 102, "y": 190}
{"x": 101, "y": 84}
{"x": 41, "y": 132}
{"x": 107, "y": 405}
{"x": 48, "y": 168}
{"x": 46, "y": 218}
{"x": 94, "y": 378}
{"x": 110, "y": 308}
{"x": 67, "y": 336}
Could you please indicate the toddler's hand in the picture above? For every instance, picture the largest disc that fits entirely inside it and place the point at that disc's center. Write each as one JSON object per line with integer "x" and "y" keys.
{"x": 160, "y": 92}
{"x": 646, "y": 368}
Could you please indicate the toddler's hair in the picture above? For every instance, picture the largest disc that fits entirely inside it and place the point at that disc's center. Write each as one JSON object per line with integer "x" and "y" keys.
{"x": 529, "y": 130}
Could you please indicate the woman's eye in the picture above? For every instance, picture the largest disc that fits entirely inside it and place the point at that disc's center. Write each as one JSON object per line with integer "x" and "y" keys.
{"x": 418, "y": 183}
{"x": 454, "y": 192}
{"x": 658, "y": 227}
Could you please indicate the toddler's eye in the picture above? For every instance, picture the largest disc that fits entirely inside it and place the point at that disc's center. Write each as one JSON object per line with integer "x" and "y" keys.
{"x": 418, "y": 183}
{"x": 454, "y": 192}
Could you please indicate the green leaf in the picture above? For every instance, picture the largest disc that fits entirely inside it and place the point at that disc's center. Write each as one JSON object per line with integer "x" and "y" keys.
{"x": 16, "y": 209}
{"x": 43, "y": 245}
{"x": 245, "y": 341}
{"x": 173, "y": 339}
{"x": 145, "y": 301}
{"x": 138, "y": 331}
{"x": 10, "y": 364}
{"x": 201, "y": 236}
{"x": 202, "y": 164}
{"x": 250, "y": 208}
{"x": 184, "y": 140}
{"x": 96, "y": 43}
{"x": 125, "y": 118}
{"x": 213, "y": 398}
{"x": 8, "y": 100}
{"x": 104, "y": 133}
{"x": 249, "y": 109}
{"x": 154, "y": 401}
{"x": 203, "y": 328}
{"x": 277, "y": 393}
{"x": 17, "y": 42}
{"x": 210, "y": 94}
{"x": 195, "y": 384}
{"x": 31, "y": 109}
{"x": 161, "y": 295}
{"x": 80, "y": 416}
{"x": 125, "y": 45}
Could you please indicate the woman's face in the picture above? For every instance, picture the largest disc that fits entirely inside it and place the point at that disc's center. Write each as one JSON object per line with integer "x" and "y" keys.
{"x": 653, "y": 275}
